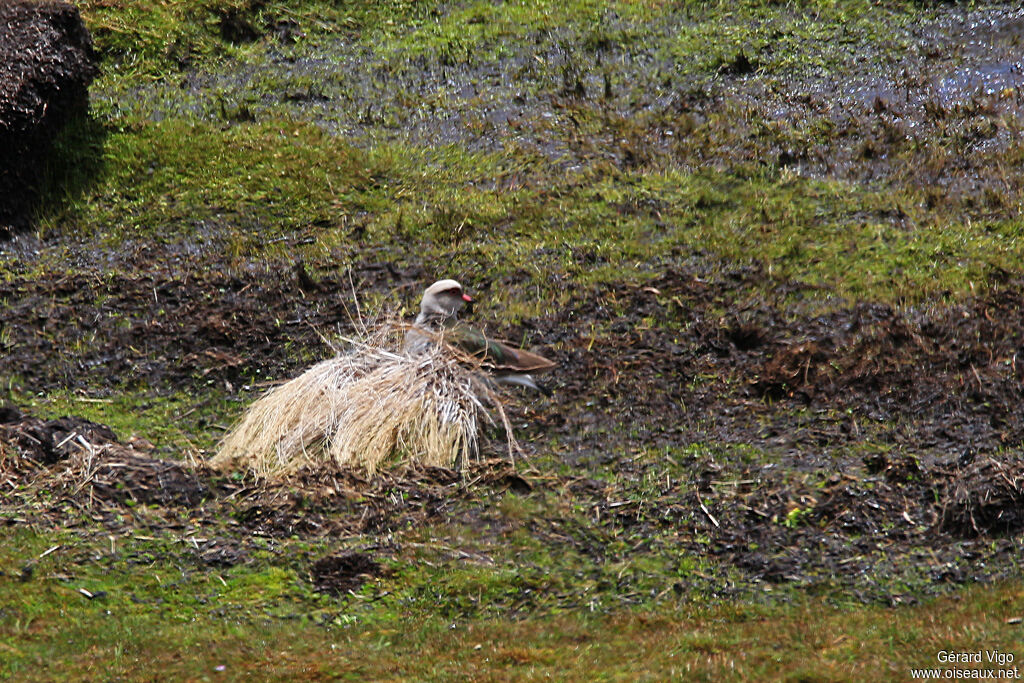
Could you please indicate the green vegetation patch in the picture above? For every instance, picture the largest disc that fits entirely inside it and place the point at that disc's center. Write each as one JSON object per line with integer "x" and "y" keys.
{"x": 229, "y": 622}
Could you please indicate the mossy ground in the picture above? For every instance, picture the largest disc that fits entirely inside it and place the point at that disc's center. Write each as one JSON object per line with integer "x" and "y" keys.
{"x": 757, "y": 167}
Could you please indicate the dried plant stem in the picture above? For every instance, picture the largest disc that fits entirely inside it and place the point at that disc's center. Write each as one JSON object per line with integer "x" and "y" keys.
{"x": 366, "y": 406}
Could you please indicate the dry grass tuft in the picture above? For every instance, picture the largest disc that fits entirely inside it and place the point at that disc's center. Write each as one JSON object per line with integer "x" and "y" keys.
{"x": 369, "y": 405}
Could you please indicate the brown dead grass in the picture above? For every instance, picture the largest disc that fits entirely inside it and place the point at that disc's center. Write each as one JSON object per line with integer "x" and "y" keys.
{"x": 369, "y": 405}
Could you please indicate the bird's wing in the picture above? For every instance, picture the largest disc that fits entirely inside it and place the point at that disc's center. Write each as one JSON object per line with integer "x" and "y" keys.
{"x": 494, "y": 353}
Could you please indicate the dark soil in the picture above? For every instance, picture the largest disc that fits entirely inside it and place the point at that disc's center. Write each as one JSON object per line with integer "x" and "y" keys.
{"x": 882, "y": 433}
{"x": 339, "y": 574}
{"x": 50, "y": 441}
{"x": 884, "y": 438}
{"x": 932, "y": 381}
{"x": 78, "y": 455}
{"x": 133, "y": 327}
{"x": 46, "y": 65}
{"x": 935, "y": 380}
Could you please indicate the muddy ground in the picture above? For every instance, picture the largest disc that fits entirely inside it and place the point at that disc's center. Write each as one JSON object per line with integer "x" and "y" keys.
{"x": 831, "y": 451}
{"x": 47, "y": 62}
{"x": 885, "y": 437}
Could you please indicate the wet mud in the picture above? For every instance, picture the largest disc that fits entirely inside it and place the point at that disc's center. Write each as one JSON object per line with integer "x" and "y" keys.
{"x": 882, "y": 436}
{"x": 938, "y": 115}
{"x": 46, "y": 65}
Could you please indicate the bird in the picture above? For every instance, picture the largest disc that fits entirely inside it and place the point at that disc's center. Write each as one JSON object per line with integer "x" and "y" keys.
{"x": 438, "y": 317}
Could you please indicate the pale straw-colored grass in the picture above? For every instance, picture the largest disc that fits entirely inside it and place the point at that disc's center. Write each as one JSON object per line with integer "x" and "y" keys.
{"x": 369, "y": 406}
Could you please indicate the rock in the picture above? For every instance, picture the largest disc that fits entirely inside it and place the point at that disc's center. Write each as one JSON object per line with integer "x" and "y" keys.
{"x": 47, "y": 62}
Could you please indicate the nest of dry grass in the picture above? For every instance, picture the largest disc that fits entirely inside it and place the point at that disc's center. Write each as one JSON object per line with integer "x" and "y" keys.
{"x": 368, "y": 406}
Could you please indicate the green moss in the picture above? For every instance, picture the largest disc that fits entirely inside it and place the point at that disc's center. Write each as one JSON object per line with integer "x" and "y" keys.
{"x": 243, "y": 165}
{"x": 165, "y": 180}
{"x": 249, "y": 185}
{"x": 176, "y": 424}
{"x": 50, "y": 629}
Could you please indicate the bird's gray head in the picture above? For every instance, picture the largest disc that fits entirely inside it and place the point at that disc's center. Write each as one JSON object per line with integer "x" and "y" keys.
{"x": 443, "y": 299}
